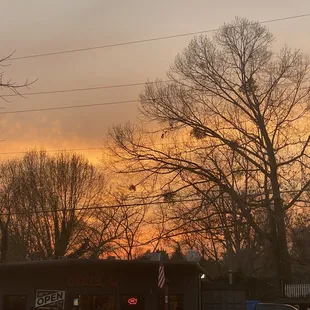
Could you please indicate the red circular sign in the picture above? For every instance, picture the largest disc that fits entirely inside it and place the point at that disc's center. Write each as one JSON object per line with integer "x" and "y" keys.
{"x": 132, "y": 301}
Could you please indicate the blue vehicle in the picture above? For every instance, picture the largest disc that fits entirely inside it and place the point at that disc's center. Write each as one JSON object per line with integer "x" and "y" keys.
{"x": 258, "y": 305}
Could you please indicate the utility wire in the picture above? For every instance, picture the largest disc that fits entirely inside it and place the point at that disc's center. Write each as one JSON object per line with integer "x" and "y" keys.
{"x": 131, "y": 205}
{"x": 60, "y": 150}
{"x": 82, "y": 105}
{"x": 71, "y": 107}
{"x": 70, "y": 90}
{"x": 59, "y": 91}
{"x": 147, "y": 40}
{"x": 55, "y": 151}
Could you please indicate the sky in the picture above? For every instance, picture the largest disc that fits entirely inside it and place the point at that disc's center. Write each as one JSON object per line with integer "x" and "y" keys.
{"x": 36, "y": 26}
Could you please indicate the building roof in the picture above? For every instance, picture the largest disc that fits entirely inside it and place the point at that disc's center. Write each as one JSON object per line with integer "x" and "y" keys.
{"x": 99, "y": 262}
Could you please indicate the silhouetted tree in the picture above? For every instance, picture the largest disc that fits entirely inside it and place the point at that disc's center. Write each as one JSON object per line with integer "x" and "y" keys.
{"x": 229, "y": 97}
{"x": 6, "y": 182}
{"x": 53, "y": 202}
{"x": 8, "y": 84}
{"x": 177, "y": 255}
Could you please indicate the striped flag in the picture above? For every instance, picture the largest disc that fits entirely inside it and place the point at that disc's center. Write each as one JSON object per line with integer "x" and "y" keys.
{"x": 161, "y": 275}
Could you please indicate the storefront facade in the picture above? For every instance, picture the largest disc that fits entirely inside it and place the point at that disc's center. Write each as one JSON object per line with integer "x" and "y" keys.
{"x": 98, "y": 285}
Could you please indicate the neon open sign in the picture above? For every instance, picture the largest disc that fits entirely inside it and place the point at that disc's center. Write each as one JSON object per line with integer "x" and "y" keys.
{"x": 132, "y": 301}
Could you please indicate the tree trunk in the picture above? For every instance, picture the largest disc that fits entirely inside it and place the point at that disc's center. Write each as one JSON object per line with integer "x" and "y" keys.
{"x": 4, "y": 242}
{"x": 284, "y": 273}
{"x": 282, "y": 255}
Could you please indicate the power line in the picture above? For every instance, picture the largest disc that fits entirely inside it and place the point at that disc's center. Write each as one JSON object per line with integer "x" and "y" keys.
{"x": 147, "y": 40}
{"x": 71, "y": 107}
{"x": 68, "y": 90}
{"x": 57, "y": 91}
{"x": 131, "y": 205}
{"x": 55, "y": 151}
{"x": 83, "y": 105}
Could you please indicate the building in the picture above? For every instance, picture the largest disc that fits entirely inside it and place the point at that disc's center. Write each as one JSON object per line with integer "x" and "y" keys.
{"x": 98, "y": 285}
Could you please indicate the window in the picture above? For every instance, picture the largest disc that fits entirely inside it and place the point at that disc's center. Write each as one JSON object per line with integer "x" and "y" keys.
{"x": 134, "y": 302}
{"x": 176, "y": 302}
{"x": 14, "y": 302}
{"x": 104, "y": 302}
{"x": 94, "y": 302}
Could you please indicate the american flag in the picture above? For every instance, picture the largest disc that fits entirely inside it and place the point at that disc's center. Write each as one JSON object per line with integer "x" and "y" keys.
{"x": 161, "y": 275}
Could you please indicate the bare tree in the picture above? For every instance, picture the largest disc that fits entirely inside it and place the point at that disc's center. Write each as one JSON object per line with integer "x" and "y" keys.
{"x": 55, "y": 201}
{"x": 104, "y": 228}
{"x": 7, "y": 184}
{"x": 133, "y": 225}
{"x": 7, "y": 202}
{"x": 300, "y": 237}
{"x": 230, "y": 96}
{"x": 9, "y": 84}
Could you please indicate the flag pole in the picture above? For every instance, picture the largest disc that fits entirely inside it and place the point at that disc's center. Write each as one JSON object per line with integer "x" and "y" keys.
{"x": 166, "y": 296}
{"x": 162, "y": 282}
